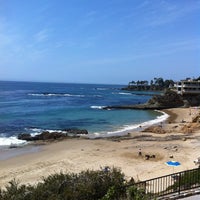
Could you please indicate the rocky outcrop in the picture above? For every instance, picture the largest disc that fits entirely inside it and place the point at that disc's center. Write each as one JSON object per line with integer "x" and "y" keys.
{"x": 25, "y": 136}
{"x": 46, "y": 135}
{"x": 169, "y": 99}
{"x": 155, "y": 129}
{"x": 196, "y": 119}
{"x": 192, "y": 100}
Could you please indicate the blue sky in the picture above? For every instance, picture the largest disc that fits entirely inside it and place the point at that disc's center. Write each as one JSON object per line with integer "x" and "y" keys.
{"x": 99, "y": 41}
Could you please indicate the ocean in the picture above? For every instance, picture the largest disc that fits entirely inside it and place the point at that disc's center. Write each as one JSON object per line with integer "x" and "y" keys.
{"x": 30, "y": 107}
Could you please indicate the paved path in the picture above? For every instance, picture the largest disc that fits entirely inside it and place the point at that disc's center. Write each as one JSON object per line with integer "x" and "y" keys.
{"x": 184, "y": 195}
{"x": 196, "y": 197}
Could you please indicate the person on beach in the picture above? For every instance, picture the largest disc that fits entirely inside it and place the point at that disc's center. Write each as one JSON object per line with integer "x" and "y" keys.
{"x": 140, "y": 152}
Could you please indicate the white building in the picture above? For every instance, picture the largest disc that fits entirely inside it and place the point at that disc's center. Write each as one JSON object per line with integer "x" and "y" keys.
{"x": 189, "y": 87}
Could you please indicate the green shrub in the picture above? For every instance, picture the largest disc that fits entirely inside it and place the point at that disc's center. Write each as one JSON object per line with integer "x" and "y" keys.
{"x": 134, "y": 193}
{"x": 86, "y": 185}
{"x": 14, "y": 191}
{"x": 111, "y": 194}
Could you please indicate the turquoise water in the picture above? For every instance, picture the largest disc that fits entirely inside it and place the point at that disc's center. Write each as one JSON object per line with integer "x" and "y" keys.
{"x": 27, "y": 107}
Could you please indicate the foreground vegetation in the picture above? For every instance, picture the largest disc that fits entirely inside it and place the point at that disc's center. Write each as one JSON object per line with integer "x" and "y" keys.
{"x": 104, "y": 184}
{"x": 107, "y": 184}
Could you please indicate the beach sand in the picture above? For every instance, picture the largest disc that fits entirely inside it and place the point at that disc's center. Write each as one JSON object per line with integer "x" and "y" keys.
{"x": 180, "y": 142}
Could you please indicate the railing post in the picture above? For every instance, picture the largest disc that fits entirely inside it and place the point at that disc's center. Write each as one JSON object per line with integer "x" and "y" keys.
{"x": 179, "y": 183}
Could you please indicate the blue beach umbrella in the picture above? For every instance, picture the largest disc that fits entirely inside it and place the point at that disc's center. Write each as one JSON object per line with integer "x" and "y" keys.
{"x": 173, "y": 164}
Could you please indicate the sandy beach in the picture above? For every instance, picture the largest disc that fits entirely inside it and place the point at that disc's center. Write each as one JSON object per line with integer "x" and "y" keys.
{"x": 179, "y": 140}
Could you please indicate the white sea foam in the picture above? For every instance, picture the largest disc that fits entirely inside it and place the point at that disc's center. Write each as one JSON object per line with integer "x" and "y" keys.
{"x": 74, "y": 95}
{"x": 97, "y": 95}
{"x": 52, "y": 131}
{"x": 34, "y": 133}
{"x": 125, "y": 93}
{"x": 36, "y": 94}
{"x": 126, "y": 128}
{"x": 55, "y": 94}
{"x": 37, "y": 131}
{"x": 97, "y": 107}
{"x": 102, "y": 88}
{"x": 8, "y": 141}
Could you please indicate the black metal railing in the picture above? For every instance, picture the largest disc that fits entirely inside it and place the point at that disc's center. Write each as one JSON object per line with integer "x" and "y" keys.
{"x": 173, "y": 183}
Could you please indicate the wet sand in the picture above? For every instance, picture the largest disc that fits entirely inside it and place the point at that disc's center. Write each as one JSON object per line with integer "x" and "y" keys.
{"x": 76, "y": 155}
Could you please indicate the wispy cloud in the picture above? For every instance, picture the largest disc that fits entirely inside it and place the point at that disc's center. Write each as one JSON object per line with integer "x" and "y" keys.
{"x": 160, "y": 50}
{"x": 148, "y": 14}
{"x": 5, "y": 38}
{"x": 87, "y": 19}
{"x": 91, "y": 13}
{"x": 170, "y": 11}
{"x": 16, "y": 47}
{"x": 8, "y": 41}
{"x": 41, "y": 36}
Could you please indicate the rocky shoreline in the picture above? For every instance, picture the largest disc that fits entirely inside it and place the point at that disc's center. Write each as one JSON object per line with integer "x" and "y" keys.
{"x": 169, "y": 99}
{"x": 138, "y": 107}
{"x": 47, "y": 136}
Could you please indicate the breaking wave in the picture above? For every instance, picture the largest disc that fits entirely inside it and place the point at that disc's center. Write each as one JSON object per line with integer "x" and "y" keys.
{"x": 97, "y": 107}
{"x": 126, "y": 128}
{"x": 55, "y": 94}
{"x": 9, "y": 141}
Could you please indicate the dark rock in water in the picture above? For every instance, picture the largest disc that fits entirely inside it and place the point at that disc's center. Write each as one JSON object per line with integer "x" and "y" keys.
{"x": 76, "y": 131}
{"x": 13, "y": 146}
{"x": 25, "y": 136}
{"x": 46, "y": 135}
